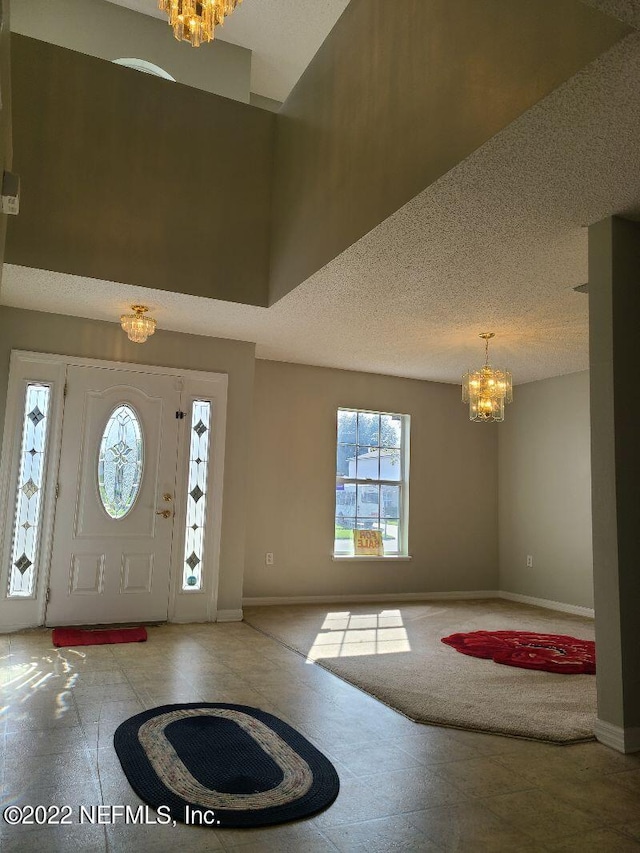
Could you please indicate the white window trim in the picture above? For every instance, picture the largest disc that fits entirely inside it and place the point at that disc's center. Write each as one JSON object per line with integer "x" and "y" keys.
{"x": 403, "y": 482}
{"x": 391, "y": 558}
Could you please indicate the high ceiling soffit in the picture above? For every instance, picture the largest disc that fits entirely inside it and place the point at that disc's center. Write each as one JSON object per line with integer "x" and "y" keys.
{"x": 367, "y": 129}
{"x": 283, "y": 36}
{"x": 496, "y": 244}
{"x": 625, "y": 10}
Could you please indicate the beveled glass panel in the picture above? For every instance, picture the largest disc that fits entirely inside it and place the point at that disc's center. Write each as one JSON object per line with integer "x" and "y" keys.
{"x": 27, "y": 519}
{"x": 120, "y": 462}
{"x": 197, "y": 495}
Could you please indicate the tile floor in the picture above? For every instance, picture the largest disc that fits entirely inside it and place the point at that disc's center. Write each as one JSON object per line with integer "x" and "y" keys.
{"x": 404, "y": 786}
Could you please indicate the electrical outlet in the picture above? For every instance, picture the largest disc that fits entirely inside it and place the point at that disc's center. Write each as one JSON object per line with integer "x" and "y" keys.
{"x": 529, "y": 561}
{"x": 268, "y": 558}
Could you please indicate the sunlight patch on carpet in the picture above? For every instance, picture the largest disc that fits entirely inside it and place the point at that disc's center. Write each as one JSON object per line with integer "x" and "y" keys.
{"x": 345, "y": 634}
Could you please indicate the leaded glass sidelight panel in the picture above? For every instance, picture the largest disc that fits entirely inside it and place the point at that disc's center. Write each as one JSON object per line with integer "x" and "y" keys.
{"x": 28, "y": 516}
{"x": 120, "y": 462}
{"x": 197, "y": 491}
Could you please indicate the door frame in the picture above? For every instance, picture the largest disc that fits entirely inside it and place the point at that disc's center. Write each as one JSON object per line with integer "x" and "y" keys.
{"x": 25, "y": 366}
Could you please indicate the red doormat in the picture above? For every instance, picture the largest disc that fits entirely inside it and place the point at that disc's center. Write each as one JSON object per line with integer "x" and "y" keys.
{"x": 548, "y": 652}
{"x": 84, "y": 637}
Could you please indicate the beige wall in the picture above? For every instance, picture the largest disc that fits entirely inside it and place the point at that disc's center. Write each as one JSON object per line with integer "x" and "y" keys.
{"x": 130, "y": 178}
{"x": 394, "y": 98}
{"x": 264, "y": 103}
{"x": 545, "y": 491}
{"x": 453, "y": 486}
{"x": 108, "y": 31}
{"x": 53, "y": 333}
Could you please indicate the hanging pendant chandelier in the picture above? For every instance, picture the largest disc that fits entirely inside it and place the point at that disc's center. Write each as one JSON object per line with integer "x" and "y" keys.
{"x": 195, "y": 21}
{"x": 137, "y": 326}
{"x": 488, "y": 389}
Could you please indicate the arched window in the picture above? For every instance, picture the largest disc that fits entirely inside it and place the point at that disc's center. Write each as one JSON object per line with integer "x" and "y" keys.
{"x": 145, "y": 67}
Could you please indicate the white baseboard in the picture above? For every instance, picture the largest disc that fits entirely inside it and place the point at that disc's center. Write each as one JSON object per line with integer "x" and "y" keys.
{"x": 550, "y": 605}
{"x": 229, "y": 616}
{"x": 622, "y": 740}
{"x": 267, "y": 601}
{"x": 356, "y": 599}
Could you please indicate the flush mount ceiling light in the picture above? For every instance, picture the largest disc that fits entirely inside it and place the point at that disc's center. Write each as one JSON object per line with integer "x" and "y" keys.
{"x": 195, "y": 21}
{"x": 486, "y": 390}
{"x": 137, "y": 326}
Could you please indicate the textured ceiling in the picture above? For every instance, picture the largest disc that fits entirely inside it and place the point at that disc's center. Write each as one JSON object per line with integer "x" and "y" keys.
{"x": 626, "y": 10}
{"x": 283, "y": 35}
{"x": 497, "y": 245}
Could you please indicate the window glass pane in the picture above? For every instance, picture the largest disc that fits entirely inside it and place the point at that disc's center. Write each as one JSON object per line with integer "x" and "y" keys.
{"x": 197, "y": 487}
{"x": 390, "y": 499}
{"x": 343, "y": 544}
{"x": 120, "y": 462}
{"x": 390, "y": 430}
{"x": 27, "y": 519}
{"x": 368, "y": 464}
{"x": 368, "y": 503}
{"x": 368, "y": 429}
{"x": 347, "y": 427}
{"x": 390, "y": 535}
{"x": 390, "y": 467}
{"x": 345, "y": 500}
{"x": 346, "y": 460}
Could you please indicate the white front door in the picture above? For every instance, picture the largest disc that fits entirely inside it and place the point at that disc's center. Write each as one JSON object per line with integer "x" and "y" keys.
{"x": 114, "y": 521}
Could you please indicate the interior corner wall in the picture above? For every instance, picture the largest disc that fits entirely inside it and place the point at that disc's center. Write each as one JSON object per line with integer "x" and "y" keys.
{"x": 54, "y": 333}
{"x": 108, "y": 31}
{"x": 452, "y": 484}
{"x": 545, "y": 492}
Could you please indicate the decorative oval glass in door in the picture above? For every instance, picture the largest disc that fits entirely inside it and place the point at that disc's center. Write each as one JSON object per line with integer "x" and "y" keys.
{"x": 120, "y": 462}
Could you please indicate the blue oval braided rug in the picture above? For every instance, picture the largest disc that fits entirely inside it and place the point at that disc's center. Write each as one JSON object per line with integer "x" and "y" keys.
{"x": 221, "y": 765}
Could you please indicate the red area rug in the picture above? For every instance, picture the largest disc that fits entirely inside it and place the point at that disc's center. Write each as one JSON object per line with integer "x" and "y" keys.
{"x": 84, "y": 637}
{"x": 548, "y": 652}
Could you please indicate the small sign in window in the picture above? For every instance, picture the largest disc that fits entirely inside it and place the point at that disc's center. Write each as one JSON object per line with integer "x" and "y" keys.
{"x": 368, "y": 543}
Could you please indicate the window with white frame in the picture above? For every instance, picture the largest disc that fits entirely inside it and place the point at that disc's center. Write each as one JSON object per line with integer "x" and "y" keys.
{"x": 372, "y": 480}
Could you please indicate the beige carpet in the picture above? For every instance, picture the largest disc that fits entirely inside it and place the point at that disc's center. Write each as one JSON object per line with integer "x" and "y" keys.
{"x": 393, "y": 652}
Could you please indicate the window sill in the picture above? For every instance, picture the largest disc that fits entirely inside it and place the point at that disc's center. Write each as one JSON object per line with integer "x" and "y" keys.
{"x": 363, "y": 558}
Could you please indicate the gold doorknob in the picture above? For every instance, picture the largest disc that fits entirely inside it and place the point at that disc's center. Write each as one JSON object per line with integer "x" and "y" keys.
{"x": 165, "y": 513}
{"x": 167, "y": 496}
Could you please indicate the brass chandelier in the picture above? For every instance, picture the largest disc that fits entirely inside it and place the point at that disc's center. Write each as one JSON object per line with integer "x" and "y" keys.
{"x": 195, "y": 21}
{"x": 488, "y": 389}
{"x": 138, "y": 326}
